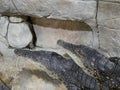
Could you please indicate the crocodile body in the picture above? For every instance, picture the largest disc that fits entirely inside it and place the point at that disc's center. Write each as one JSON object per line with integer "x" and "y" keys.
{"x": 67, "y": 70}
{"x": 107, "y": 71}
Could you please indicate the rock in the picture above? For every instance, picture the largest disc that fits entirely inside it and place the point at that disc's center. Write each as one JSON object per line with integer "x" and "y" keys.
{"x": 49, "y": 37}
{"x": 3, "y": 43}
{"x": 109, "y": 26}
{"x": 57, "y": 9}
{"x": 3, "y": 25}
{"x": 18, "y": 19}
{"x": 109, "y": 15}
{"x": 19, "y": 35}
{"x": 109, "y": 41}
{"x": 4, "y": 6}
{"x": 48, "y": 31}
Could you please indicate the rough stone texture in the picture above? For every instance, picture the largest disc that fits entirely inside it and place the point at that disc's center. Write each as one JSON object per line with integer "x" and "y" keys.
{"x": 109, "y": 27}
{"x": 49, "y": 31}
{"x": 109, "y": 41}
{"x": 3, "y": 25}
{"x": 57, "y": 9}
{"x": 19, "y": 35}
{"x": 109, "y": 15}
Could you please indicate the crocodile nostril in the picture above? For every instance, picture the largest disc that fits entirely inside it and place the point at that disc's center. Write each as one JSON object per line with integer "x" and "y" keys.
{"x": 60, "y": 42}
{"x": 16, "y": 51}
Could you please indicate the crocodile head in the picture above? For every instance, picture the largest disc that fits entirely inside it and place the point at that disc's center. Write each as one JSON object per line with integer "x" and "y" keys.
{"x": 47, "y": 59}
{"x": 88, "y": 58}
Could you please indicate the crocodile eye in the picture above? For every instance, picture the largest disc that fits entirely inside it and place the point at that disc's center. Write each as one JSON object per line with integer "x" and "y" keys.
{"x": 118, "y": 79}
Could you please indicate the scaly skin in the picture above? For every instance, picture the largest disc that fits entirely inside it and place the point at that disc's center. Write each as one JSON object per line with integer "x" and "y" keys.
{"x": 67, "y": 70}
{"x": 94, "y": 63}
{"x": 91, "y": 58}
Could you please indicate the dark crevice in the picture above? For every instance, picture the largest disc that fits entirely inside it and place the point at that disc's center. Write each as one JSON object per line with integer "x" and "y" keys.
{"x": 7, "y": 27}
{"x": 98, "y": 32}
{"x": 97, "y": 6}
{"x": 1, "y": 54}
{"x": 6, "y": 36}
{"x": 33, "y": 43}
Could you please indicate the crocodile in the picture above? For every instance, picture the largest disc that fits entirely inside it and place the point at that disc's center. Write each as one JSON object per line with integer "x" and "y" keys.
{"x": 66, "y": 69}
{"x": 105, "y": 70}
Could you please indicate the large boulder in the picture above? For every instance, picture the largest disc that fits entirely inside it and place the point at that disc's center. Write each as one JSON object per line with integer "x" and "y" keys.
{"x": 48, "y": 31}
{"x": 57, "y": 9}
{"x": 19, "y": 35}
